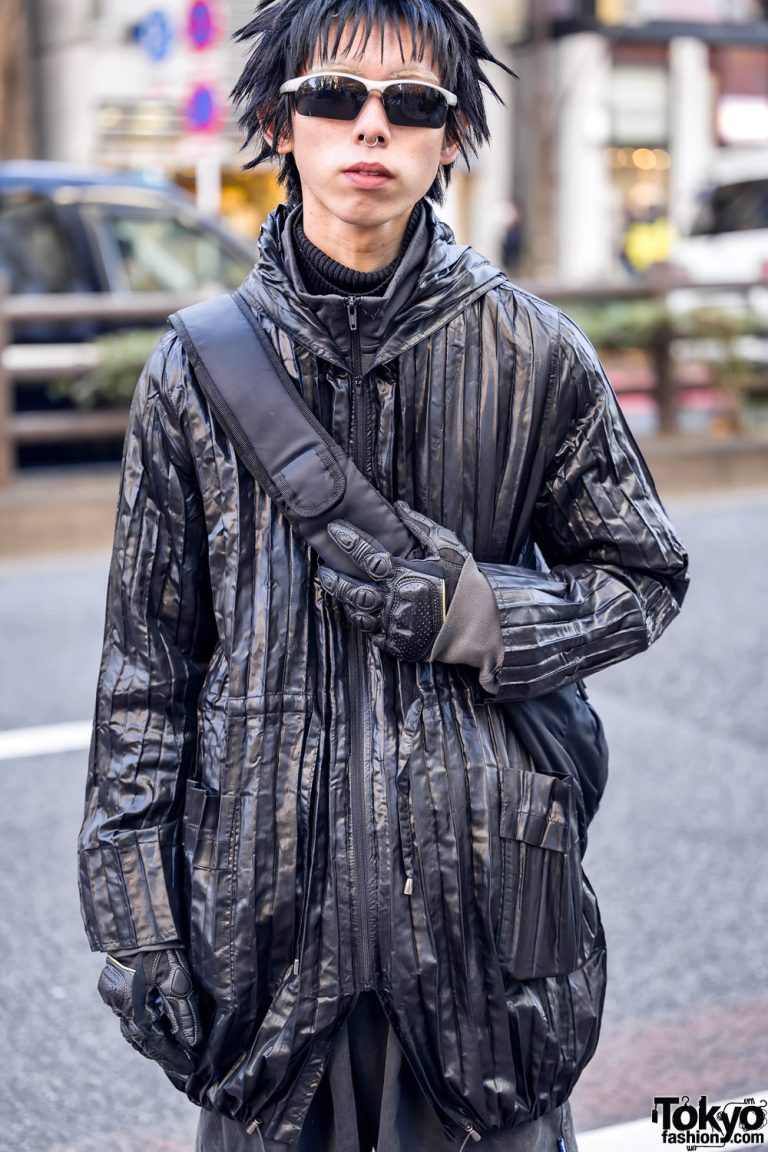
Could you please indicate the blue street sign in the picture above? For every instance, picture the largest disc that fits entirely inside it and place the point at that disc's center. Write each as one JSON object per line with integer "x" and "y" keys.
{"x": 201, "y": 26}
{"x": 202, "y": 111}
{"x": 155, "y": 35}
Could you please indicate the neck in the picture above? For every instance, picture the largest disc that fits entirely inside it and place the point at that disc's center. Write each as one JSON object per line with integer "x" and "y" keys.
{"x": 362, "y": 249}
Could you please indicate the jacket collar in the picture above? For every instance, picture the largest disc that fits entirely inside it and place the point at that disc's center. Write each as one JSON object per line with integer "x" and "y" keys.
{"x": 435, "y": 281}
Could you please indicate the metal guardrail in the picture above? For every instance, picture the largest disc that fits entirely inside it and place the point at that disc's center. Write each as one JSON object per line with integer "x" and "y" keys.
{"x": 20, "y": 363}
{"x": 24, "y": 363}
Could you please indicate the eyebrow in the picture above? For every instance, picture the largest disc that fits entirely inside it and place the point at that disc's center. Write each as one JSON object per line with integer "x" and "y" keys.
{"x": 415, "y": 73}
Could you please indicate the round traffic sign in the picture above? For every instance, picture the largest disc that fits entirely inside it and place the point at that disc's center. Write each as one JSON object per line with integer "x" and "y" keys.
{"x": 202, "y": 109}
{"x": 201, "y": 24}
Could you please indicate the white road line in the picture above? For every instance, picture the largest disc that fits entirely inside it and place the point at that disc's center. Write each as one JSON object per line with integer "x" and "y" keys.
{"x": 645, "y": 1136}
{"x": 47, "y": 739}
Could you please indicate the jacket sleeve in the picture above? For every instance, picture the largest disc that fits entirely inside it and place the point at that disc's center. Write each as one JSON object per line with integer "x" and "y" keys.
{"x": 158, "y": 639}
{"x": 617, "y": 572}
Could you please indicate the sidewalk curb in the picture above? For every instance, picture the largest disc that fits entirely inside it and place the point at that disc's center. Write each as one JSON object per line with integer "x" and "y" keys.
{"x": 58, "y": 513}
{"x": 688, "y": 464}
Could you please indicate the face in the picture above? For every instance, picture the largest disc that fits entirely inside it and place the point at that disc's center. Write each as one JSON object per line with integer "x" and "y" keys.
{"x": 345, "y": 183}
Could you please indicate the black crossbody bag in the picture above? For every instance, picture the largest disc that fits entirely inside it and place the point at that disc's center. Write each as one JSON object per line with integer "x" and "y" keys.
{"x": 312, "y": 480}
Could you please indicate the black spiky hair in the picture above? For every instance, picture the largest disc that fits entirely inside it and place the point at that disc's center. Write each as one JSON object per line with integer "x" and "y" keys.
{"x": 290, "y": 35}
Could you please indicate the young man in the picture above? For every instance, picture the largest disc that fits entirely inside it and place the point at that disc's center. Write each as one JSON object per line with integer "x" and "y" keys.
{"x": 339, "y": 882}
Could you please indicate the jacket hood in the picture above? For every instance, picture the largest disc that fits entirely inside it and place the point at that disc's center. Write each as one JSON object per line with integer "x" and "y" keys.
{"x": 436, "y": 280}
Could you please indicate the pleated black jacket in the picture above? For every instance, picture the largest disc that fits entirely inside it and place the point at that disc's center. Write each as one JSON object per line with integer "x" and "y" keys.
{"x": 307, "y": 816}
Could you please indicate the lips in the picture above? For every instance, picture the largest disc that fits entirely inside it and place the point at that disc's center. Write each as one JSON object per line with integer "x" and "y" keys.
{"x": 366, "y": 175}
{"x": 367, "y": 166}
{"x": 369, "y": 169}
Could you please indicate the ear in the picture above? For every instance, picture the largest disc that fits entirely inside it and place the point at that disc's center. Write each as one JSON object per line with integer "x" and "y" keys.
{"x": 284, "y": 145}
{"x": 451, "y": 151}
{"x": 448, "y": 153}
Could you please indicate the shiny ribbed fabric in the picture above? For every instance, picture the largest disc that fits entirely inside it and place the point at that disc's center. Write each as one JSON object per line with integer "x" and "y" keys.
{"x": 597, "y": 503}
{"x": 310, "y": 818}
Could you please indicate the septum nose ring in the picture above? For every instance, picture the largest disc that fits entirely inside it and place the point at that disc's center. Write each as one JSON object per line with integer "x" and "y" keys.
{"x": 370, "y": 143}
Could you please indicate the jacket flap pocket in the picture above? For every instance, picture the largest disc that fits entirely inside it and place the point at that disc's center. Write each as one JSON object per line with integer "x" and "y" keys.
{"x": 200, "y": 808}
{"x": 201, "y": 820}
{"x": 538, "y": 809}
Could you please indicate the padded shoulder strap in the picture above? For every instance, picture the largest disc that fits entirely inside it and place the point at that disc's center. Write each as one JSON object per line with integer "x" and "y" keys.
{"x": 292, "y": 457}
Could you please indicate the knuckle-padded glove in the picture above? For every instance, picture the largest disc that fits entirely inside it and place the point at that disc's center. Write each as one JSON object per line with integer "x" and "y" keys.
{"x": 154, "y": 997}
{"x": 400, "y": 604}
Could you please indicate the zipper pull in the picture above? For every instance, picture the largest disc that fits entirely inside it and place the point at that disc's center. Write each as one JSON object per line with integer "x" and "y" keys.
{"x": 352, "y": 303}
{"x": 471, "y": 1134}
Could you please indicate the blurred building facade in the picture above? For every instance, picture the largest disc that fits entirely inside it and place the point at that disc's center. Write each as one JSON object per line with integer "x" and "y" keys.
{"x": 17, "y": 131}
{"x": 145, "y": 85}
{"x": 598, "y": 150}
{"x": 624, "y": 108}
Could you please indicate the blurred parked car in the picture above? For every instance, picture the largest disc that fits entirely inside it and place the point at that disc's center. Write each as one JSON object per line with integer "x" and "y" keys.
{"x": 728, "y": 244}
{"x": 729, "y": 237}
{"x": 66, "y": 229}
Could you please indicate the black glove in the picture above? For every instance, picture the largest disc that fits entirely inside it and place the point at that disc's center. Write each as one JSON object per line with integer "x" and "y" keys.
{"x": 153, "y": 994}
{"x": 403, "y": 611}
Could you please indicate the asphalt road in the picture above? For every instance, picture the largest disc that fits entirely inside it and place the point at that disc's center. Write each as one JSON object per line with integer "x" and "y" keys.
{"x": 677, "y": 856}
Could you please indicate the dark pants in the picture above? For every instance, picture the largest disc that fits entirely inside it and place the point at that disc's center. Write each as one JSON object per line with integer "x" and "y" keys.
{"x": 369, "y": 1099}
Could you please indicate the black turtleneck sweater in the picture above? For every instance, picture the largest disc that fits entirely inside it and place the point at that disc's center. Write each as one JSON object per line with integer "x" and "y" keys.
{"x": 323, "y": 275}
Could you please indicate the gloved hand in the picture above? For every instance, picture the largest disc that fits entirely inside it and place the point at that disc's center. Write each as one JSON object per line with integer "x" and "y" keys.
{"x": 402, "y": 610}
{"x": 155, "y": 999}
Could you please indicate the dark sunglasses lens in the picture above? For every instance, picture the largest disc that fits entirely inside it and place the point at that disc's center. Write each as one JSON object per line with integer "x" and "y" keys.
{"x": 415, "y": 106}
{"x": 332, "y": 97}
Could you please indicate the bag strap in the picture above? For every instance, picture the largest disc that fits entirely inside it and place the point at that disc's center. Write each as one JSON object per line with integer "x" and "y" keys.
{"x": 289, "y": 453}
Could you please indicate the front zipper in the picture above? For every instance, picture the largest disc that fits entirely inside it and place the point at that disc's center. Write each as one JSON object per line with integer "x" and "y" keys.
{"x": 360, "y": 735}
{"x": 359, "y": 831}
{"x": 359, "y": 407}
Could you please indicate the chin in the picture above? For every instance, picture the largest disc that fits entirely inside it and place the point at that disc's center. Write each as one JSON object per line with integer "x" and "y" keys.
{"x": 364, "y": 214}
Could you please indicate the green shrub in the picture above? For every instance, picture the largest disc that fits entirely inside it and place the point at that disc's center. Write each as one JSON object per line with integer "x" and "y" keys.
{"x": 112, "y": 382}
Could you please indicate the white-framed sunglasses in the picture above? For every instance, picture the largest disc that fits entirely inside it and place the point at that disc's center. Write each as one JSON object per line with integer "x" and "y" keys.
{"x": 339, "y": 96}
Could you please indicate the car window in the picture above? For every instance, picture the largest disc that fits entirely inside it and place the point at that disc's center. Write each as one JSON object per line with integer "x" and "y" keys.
{"x": 152, "y": 252}
{"x": 35, "y": 254}
{"x": 734, "y": 208}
